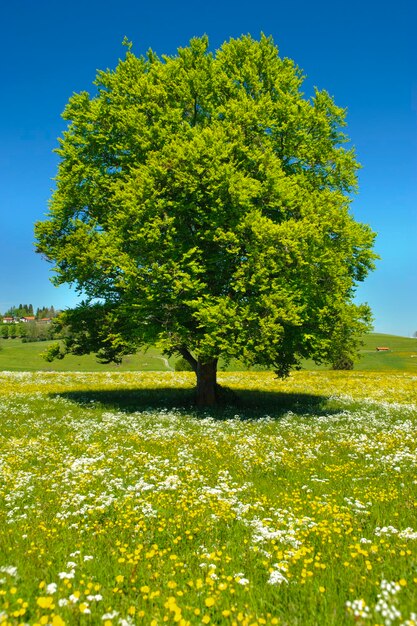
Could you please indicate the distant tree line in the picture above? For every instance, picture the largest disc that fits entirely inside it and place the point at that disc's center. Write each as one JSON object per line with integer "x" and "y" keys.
{"x": 26, "y": 310}
{"x": 37, "y": 329}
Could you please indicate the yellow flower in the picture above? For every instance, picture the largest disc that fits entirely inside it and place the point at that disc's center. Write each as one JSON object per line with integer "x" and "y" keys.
{"x": 403, "y": 582}
{"x": 57, "y": 621}
{"x": 210, "y": 601}
{"x": 206, "y": 619}
{"x": 45, "y": 602}
{"x": 120, "y": 578}
{"x": 322, "y": 589}
{"x": 145, "y": 589}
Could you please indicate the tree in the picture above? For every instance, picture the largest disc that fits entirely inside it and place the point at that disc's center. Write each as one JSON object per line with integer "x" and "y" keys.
{"x": 202, "y": 205}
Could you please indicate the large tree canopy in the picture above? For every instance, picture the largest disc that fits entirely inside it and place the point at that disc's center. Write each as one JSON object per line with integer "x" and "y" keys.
{"x": 202, "y": 204}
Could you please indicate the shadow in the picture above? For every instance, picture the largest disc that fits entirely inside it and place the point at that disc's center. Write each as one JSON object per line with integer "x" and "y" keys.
{"x": 245, "y": 404}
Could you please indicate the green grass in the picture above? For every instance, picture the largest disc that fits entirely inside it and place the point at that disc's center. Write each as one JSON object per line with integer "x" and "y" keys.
{"x": 402, "y": 355}
{"x": 297, "y": 506}
{"x": 18, "y": 356}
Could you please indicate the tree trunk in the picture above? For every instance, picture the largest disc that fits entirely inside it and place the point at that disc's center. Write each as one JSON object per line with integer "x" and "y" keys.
{"x": 206, "y": 383}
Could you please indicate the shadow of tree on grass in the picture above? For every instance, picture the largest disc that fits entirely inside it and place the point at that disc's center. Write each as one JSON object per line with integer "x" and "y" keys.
{"x": 245, "y": 404}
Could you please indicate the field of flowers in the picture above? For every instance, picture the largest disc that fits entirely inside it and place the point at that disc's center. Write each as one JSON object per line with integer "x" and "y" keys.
{"x": 121, "y": 505}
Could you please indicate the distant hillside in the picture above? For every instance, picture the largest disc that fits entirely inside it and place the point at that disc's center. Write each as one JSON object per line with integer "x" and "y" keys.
{"x": 402, "y": 354}
{"x": 18, "y": 356}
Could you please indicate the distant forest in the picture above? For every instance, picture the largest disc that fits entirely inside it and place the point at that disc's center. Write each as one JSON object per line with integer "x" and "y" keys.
{"x": 27, "y": 310}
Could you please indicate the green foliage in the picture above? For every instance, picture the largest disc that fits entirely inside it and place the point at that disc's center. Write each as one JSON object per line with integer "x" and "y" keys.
{"x": 53, "y": 352}
{"x": 22, "y": 310}
{"x": 45, "y": 312}
{"x": 343, "y": 362}
{"x": 202, "y": 205}
{"x": 4, "y": 331}
{"x": 37, "y": 331}
{"x": 26, "y": 310}
{"x": 22, "y": 330}
{"x": 182, "y": 365}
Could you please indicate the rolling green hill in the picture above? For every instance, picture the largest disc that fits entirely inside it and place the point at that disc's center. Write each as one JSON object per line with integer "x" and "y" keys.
{"x": 18, "y": 356}
{"x": 402, "y": 353}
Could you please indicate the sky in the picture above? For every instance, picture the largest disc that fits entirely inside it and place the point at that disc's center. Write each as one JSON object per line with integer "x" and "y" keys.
{"x": 364, "y": 53}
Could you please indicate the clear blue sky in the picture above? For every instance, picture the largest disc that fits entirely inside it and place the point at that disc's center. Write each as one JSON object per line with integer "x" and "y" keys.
{"x": 363, "y": 53}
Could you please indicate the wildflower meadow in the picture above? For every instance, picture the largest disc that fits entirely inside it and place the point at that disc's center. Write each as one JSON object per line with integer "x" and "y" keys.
{"x": 296, "y": 504}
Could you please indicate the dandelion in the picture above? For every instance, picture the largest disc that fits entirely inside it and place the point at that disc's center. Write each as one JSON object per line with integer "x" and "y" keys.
{"x": 45, "y": 602}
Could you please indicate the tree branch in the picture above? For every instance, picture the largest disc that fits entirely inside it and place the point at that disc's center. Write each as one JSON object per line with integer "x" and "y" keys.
{"x": 186, "y": 354}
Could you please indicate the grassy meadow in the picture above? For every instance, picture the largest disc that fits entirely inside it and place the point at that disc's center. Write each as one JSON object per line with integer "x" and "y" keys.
{"x": 18, "y": 356}
{"x": 120, "y": 504}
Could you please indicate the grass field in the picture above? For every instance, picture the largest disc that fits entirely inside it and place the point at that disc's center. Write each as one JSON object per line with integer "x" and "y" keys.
{"x": 18, "y": 356}
{"x": 122, "y": 505}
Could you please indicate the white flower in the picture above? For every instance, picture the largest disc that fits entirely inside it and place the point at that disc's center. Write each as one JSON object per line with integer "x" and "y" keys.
{"x": 9, "y": 569}
{"x": 51, "y": 588}
{"x": 276, "y": 578}
{"x": 71, "y": 564}
{"x": 359, "y": 608}
{"x": 109, "y": 615}
{"x": 70, "y": 574}
{"x": 62, "y": 602}
{"x": 88, "y": 558}
{"x": 95, "y": 598}
{"x": 74, "y": 599}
